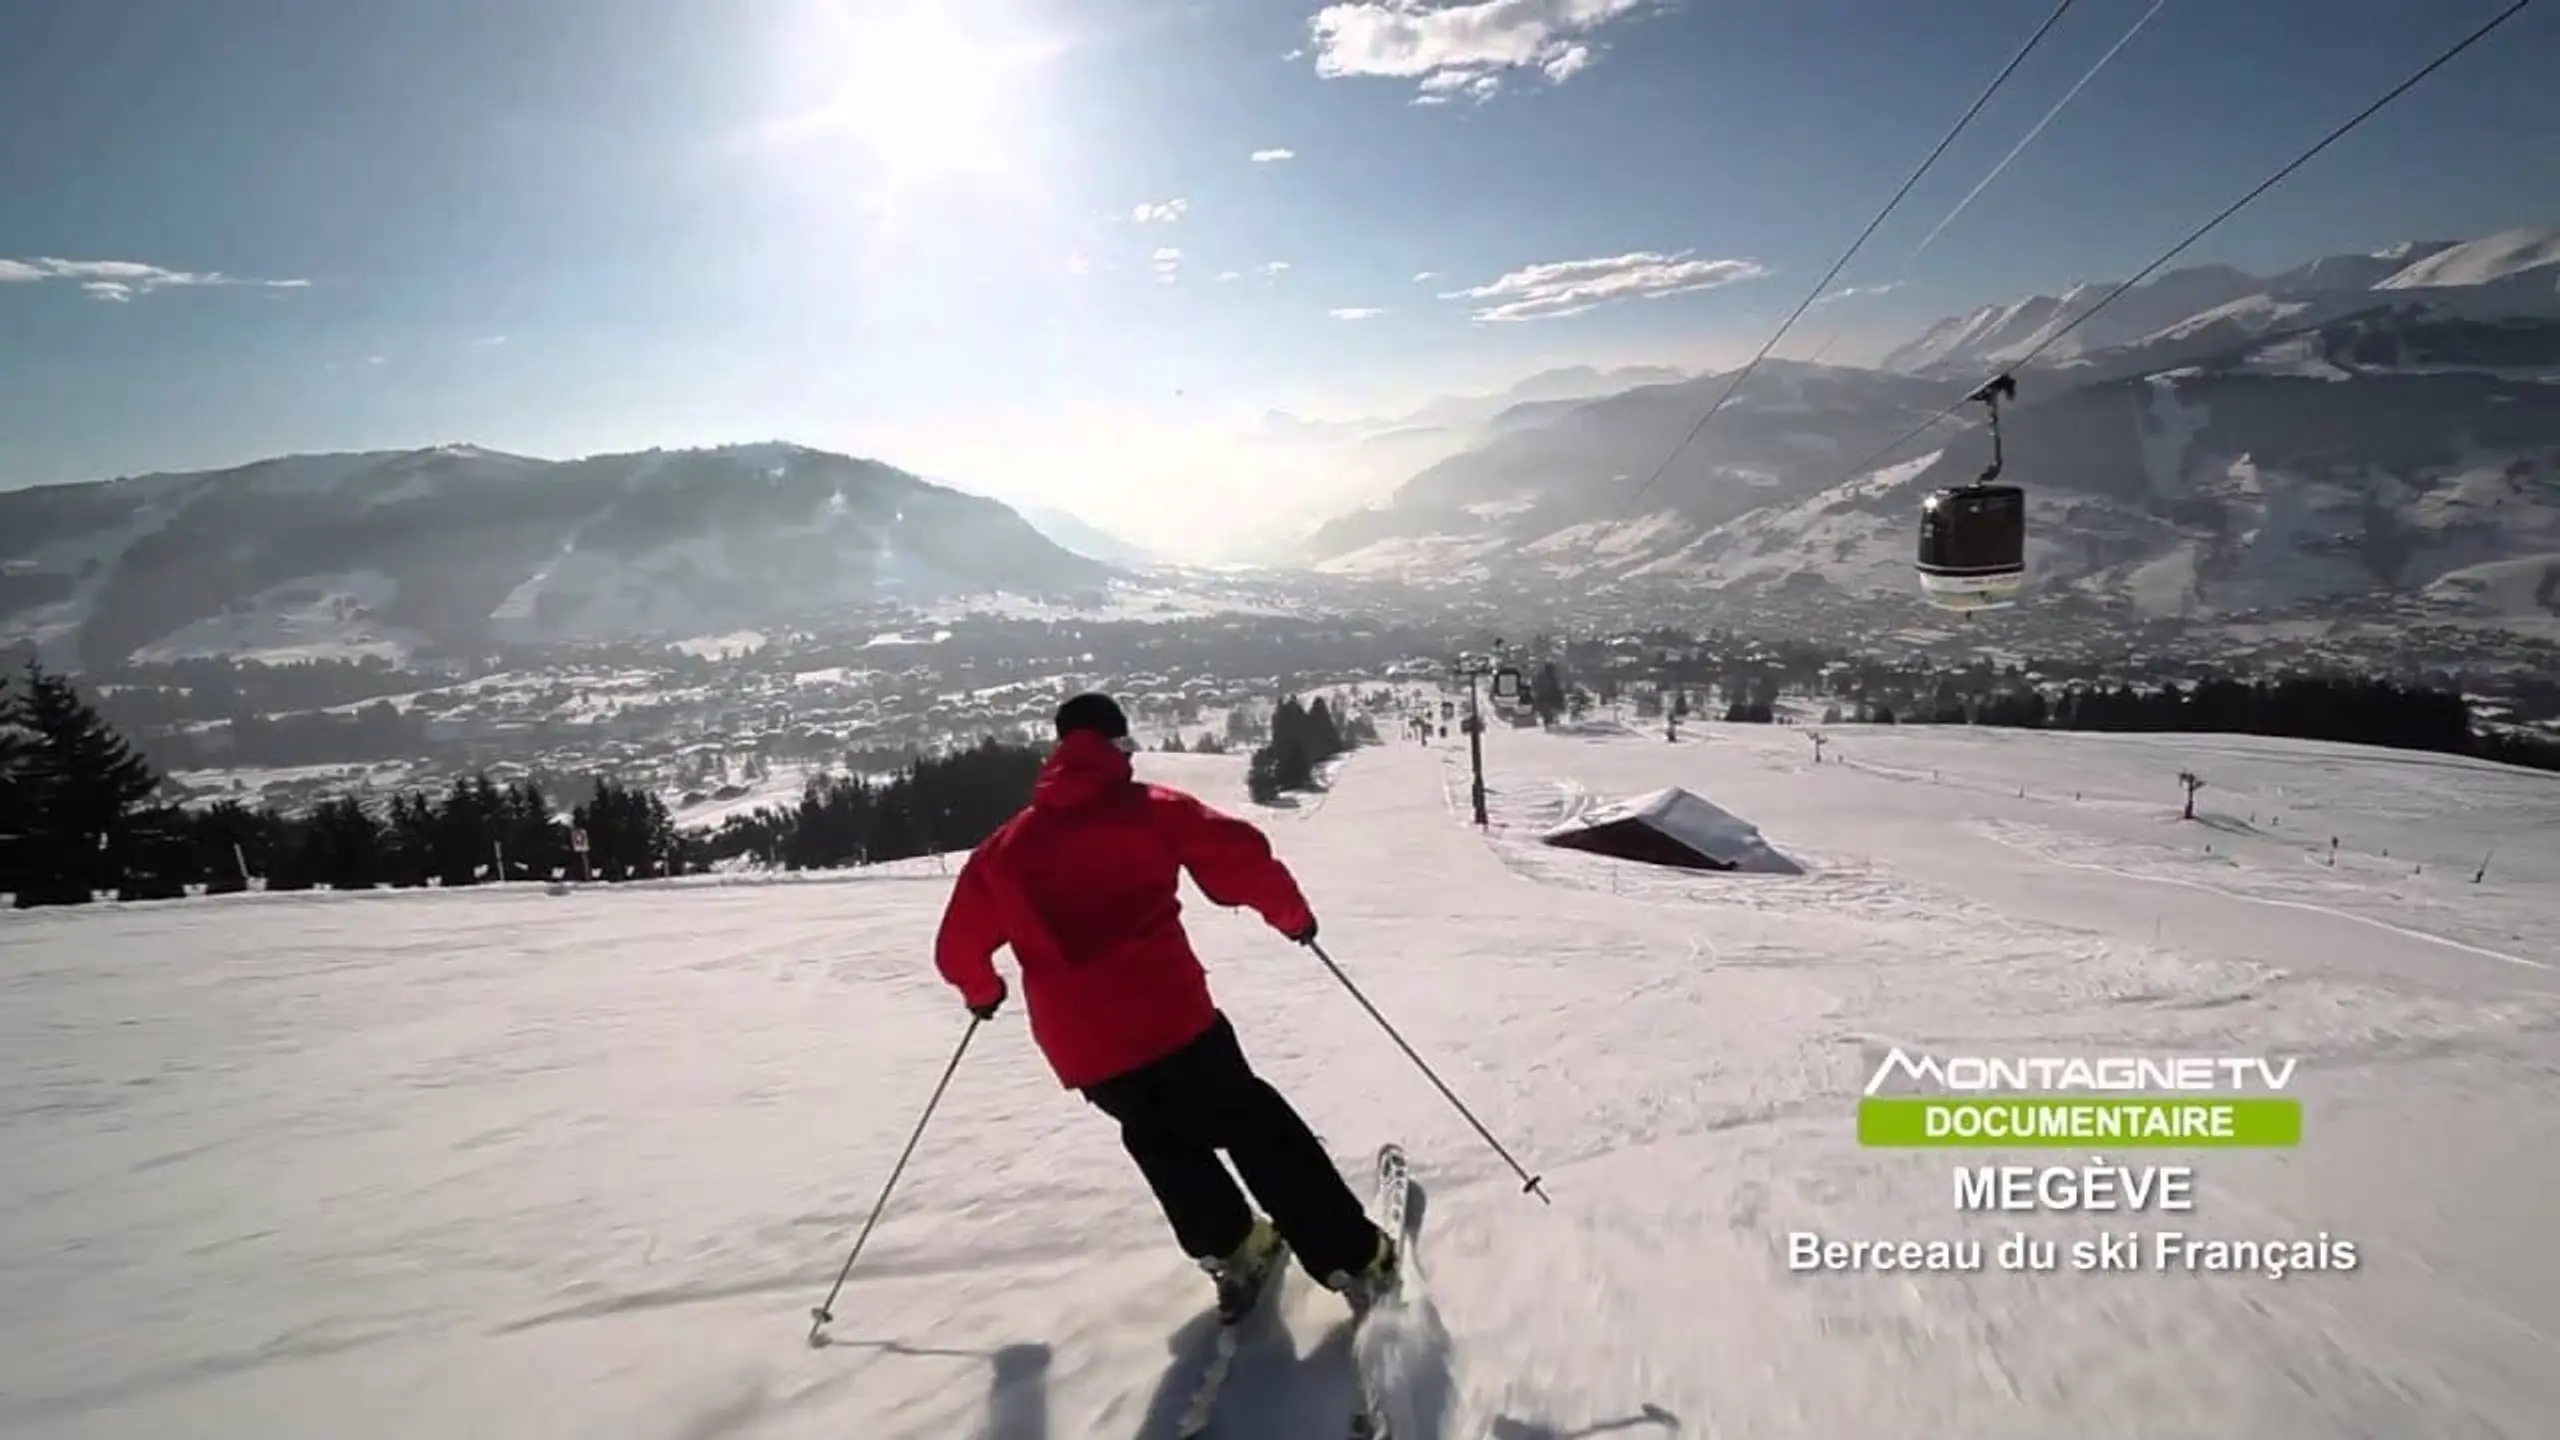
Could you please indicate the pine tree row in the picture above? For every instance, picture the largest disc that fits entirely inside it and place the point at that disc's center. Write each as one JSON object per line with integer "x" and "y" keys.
{"x": 1303, "y": 738}
{"x": 83, "y": 815}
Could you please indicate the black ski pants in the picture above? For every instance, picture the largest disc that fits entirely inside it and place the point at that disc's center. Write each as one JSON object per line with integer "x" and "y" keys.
{"x": 1177, "y": 1113}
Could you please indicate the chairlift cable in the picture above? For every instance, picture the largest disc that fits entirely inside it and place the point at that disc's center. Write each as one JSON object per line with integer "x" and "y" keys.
{"x": 1823, "y": 285}
{"x": 2235, "y": 207}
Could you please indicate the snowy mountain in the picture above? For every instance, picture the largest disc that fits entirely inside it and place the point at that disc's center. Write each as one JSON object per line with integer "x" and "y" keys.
{"x": 2357, "y": 459}
{"x": 1073, "y": 533}
{"x": 485, "y": 1162}
{"x": 1459, "y": 414}
{"x": 1535, "y": 487}
{"x": 1995, "y": 334}
{"x": 383, "y": 551}
{"x": 1336, "y": 465}
{"x": 2236, "y": 448}
{"x": 2513, "y": 272}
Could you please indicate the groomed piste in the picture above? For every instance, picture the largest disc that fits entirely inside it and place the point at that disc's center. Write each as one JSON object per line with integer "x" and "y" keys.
{"x": 498, "y": 1163}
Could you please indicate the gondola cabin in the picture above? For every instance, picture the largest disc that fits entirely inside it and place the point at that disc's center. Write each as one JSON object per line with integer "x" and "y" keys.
{"x": 1973, "y": 543}
{"x": 1973, "y": 538}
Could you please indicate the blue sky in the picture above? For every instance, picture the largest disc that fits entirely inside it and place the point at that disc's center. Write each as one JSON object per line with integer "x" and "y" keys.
{"x": 916, "y": 230}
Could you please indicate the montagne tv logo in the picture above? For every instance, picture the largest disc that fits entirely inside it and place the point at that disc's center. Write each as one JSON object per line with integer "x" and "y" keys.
{"x": 1969, "y": 1099}
{"x": 1892, "y": 1070}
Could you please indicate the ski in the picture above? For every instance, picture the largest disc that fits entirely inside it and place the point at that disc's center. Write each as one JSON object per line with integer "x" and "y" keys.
{"x": 1398, "y": 1212}
{"x": 1203, "y": 1406}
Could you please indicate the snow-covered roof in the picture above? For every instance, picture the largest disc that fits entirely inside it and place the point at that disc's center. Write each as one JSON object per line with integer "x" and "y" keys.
{"x": 1702, "y": 825}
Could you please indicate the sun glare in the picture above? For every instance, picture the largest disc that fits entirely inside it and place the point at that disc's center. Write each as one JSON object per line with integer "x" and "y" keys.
{"x": 922, "y": 94}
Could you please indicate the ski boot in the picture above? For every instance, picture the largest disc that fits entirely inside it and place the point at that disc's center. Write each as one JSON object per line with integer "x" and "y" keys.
{"x": 1241, "y": 1277}
{"x": 1374, "y": 1281}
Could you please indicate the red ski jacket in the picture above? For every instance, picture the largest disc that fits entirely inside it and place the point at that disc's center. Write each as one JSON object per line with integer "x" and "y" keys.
{"x": 1084, "y": 885}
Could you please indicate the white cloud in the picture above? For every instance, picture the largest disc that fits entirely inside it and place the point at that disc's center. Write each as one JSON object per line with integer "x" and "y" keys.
{"x": 1229, "y": 277}
{"x": 489, "y": 342}
{"x": 1162, "y": 212}
{"x": 1168, "y": 264}
{"x": 1275, "y": 153}
{"x": 1272, "y": 269}
{"x": 1356, "y": 312}
{"x": 1455, "y": 48}
{"x": 1570, "y": 287}
{"x": 119, "y": 281}
{"x": 1424, "y": 276}
{"x": 1858, "y": 292}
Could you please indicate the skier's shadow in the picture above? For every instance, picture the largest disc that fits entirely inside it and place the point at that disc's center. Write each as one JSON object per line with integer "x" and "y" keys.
{"x": 1272, "y": 1393}
{"x": 1017, "y": 1383}
{"x": 1507, "y": 1428}
{"x": 1018, "y": 1393}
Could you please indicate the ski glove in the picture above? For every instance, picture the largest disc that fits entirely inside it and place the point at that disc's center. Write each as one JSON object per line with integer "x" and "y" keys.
{"x": 988, "y": 1010}
{"x": 1305, "y": 934}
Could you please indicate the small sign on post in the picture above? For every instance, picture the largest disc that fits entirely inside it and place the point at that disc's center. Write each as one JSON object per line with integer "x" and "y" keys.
{"x": 578, "y": 842}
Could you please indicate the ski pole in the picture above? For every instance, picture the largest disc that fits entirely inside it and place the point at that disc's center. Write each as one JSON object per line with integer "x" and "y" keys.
{"x": 1531, "y": 1184}
{"x": 825, "y": 1311}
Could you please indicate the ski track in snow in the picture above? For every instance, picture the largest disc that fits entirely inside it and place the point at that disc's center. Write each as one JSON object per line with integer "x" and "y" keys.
{"x": 503, "y": 1164}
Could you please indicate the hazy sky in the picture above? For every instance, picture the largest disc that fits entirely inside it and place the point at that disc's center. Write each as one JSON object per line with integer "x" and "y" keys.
{"x": 1081, "y": 245}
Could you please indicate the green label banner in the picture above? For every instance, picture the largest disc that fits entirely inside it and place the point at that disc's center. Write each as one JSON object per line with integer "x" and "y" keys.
{"x": 2004, "y": 1122}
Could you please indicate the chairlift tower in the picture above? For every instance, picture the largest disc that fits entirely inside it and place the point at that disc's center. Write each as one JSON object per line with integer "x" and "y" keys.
{"x": 1470, "y": 668}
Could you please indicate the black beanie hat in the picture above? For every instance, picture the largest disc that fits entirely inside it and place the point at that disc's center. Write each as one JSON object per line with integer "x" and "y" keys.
{"x": 1096, "y": 712}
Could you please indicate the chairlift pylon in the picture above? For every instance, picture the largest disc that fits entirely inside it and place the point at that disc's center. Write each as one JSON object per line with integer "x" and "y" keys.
{"x": 1973, "y": 538}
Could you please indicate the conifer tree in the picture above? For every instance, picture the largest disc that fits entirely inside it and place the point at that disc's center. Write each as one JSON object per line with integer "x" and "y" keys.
{"x": 1292, "y": 764}
{"x": 80, "y": 792}
{"x": 345, "y": 845}
{"x": 1546, "y": 694}
{"x": 1323, "y": 736}
{"x": 412, "y": 841}
{"x": 1262, "y": 777}
{"x": 536, "y": 846}
{"x": 227, "y": 833}
{"x": 17, "y": 745}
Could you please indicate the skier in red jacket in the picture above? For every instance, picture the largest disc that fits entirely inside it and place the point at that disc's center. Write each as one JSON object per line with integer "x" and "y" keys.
{"x": 1083, "y": 885}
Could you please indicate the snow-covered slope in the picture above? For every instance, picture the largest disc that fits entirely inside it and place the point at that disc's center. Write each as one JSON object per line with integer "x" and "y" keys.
{"x": 1079, "y": 536}
{"x": 495, "y": 1163}
{"x": 1521, "y": 497}
{"x": 2514, "y": 271}
{"x": 2210, "y": 447}
{"x": 2332, "y": 465}
{"x": 1327, "y": 468}
{"x": 456, "y": 546}
{"x": 2001, "y": 332}
{"x": 2490, "y": 260}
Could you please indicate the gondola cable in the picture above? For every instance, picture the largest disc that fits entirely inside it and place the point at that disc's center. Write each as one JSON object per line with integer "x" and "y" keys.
{"x": 1992, "y": 176}
{"x": 2003, "y": 385}
{"x": 1823, "y": 286}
